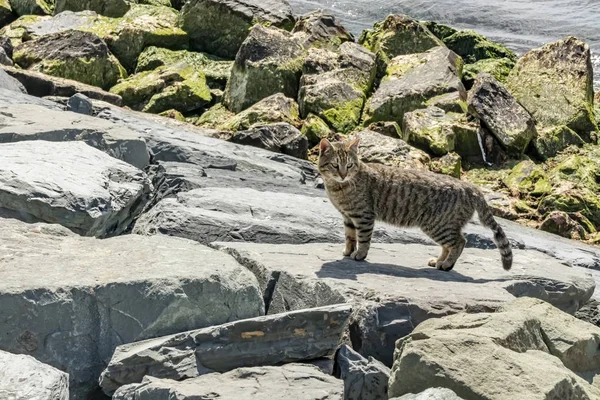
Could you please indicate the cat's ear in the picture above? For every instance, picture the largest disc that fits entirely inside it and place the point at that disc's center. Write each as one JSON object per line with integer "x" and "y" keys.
{"x": 353, "y": 145}
{"x": 324, "y": 146}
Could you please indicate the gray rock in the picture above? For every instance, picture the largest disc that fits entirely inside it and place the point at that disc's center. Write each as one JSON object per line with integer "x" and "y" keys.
{"x": 7, "y": 82}
{"x": 397, "y": 291}
{"x": 80, "y": 104}
{"x": 506, "y": 119}
{"x": 381, "y": 149}
{"x": 220, "y": 26}
{"x": 363, "y": 379}
{"x": 72, "y": 184}
{"x": 95, "y": 295}
{"x": 24, "y": 378}
{"x": 4, "y": 58}
{"x": 321, "y": 28}
{"x": 431, "y": 394}
{"x": 109, "y": 8}
{"x": 293, "y": 381}
{"x": 34, "y": 122}
{"x": 280, "y": 138}
{"x": 411, "y": 81}
{"x": 6, "y": 44}
{"x": 262, "y": 341}
{"x": 42, "y": 85}
{"x": 268, "y": 62}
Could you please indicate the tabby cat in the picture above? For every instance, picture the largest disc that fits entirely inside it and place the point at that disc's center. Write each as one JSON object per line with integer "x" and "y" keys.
{"x": 438, "y": 204}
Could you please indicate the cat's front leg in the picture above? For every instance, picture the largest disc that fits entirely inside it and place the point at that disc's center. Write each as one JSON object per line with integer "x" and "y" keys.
{"x": 364, "y": 232}
{"x": 350, "y": 232}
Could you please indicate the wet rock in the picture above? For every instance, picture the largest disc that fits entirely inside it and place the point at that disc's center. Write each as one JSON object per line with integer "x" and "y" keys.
{"x": 299, "y": 381}
{"x": 546, "y": 345}
{"x": 411, "y": 81}
{"x": 269, "y": 61}
{"x": 334, "y": 86}
{"x": 220, "y": 26}
{"x": 262, "y": 341}
{"x": 554, "y": 83}
{"x": 76, "y": 55}
{"x": 42, "y": 85}
{"x": 96, "y": 295}
{"x": 363, "y": 379}
{"x": 279, "y": 137}
{"x": 24, "y": 378}
{"x": 473, "y": 47}
{"x": 321, "y": 29}
{"x": 80, "y": 104}
{"x": 101, "y": 196}
{"x": 501, "y": 114}
{"x": 179, "y": 86}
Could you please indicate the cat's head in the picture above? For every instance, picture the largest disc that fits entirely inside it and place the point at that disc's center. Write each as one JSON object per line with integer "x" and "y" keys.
{"x": 339, "y": 161}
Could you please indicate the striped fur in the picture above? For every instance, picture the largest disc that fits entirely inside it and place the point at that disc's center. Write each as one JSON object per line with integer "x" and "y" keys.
{"x": 438, "y": 204}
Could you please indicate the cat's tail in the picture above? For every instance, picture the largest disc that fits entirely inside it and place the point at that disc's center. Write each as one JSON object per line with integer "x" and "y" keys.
{"x": 487, "y": 219}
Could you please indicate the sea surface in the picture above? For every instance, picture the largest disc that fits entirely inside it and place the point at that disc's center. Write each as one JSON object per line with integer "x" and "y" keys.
{"x": 519, "y": 24}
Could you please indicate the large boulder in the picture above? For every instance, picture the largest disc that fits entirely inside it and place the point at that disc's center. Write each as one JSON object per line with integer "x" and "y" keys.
{"x": 439, "y": 133}
{"x": 262, "y": 341}
{"x": 17, "y": 30}
{"x": 179, "y": 86}
{"x": 364, "y": 379}
{"x": 395, "y": 36}
{"x": 334, "y": 85}
{"x": 473, "y": 47}
{"x": 31, "y": 7}
{"x": 220, "y": 27}
{"x": 275, "y": 108}
{"x": 76, "y": 55}
{"x": 501, "y": 114}
{"x": 10, "y": 83}
{"x": 411, "y": 81}
{"x": 268, "y": 62}
{"x": 550, "y": 350}
{"x": 109, "y": 8}
{"x": 294, "y": 381}
{"x": 72, "y": 184}
{"x": 321, "y": 29}
{"x": 280, "y": 137}
{"x": 381, "y": 149}
{"x": 550, "y": 142}
{"x": 24, "y": 378}
{"x": 555, "y": 84}
{"x": 96, "y": 295}
{"x": 313, "y": 275}
{"x": 499, "y": 68}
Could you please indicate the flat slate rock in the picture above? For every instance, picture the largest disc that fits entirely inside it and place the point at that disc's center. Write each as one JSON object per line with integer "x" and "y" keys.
{"x": 398, "y": 290}
{"x": 69, "y": 301}
{"x": 25, "y": 378}
{"x": 262, "y": 341}
{"x": 290, "y": 381}
{"x": 72, "y": 184}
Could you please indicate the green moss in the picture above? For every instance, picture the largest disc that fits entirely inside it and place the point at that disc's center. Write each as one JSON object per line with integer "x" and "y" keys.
{"x": 450, "y": 164}
{"x": 473, "y": 47}
{"x": 17, "y": 31}
{"x": 499, "y": 68}
{"x": 216, "y": 117}
{"x": 264, "y": 112}
{"x": 173, "y": 114}
{"x": 527, "y": 178}
{"x": 315, "y": 129}
{"x": 549, "y": 142}
{"x": 162, "y": 3}
{"x": 441, "y": 31}
{"x": 345, "y": 116}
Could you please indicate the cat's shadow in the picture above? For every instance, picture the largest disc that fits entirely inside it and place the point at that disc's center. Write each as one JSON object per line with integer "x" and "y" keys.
{"x": 347, "y": 268}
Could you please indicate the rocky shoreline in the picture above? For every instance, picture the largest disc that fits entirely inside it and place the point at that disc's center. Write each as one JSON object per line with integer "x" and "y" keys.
{"x": 165, "y": 231}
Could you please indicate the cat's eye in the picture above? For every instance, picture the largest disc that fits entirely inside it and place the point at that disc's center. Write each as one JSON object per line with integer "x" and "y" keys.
{"x": 349, "y": 165}
{"x": 334, "y": 165}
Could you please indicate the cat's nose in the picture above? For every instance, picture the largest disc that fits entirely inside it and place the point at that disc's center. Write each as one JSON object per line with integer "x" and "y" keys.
{"x": 343, "y": 174}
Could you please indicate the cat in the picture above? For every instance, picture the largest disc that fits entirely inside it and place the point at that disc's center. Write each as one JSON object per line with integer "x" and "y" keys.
{"x": 438, "y": 204}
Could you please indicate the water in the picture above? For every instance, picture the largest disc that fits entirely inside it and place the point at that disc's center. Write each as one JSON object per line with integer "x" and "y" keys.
{"x": 519, "y": 24}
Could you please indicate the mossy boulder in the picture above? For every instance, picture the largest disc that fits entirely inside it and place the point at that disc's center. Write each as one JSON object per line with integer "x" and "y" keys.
{"x": 18, "y": 31}
{"x": 315, "y": 129}
{"x": 80, "y": 56}
{"x": 32, "y": 7}
{"x": 335, "y": 84}
{"x": 499, "y": 68}
{"x": 220, "y": 27}
{"x": 551, "y": 141}
{"x": 381, "y": 149}
{"x": 321, "y": 29}
{"x": 560, "y": 223}
{"x": 498, "y": 110}
{"x": 449, "y": 102}
{"x": 275, "y": 108}
{"x": 555, "y": 84}
{"x": 217, "y": 71}
{"x": 180, "y": 87}
{"x": 440, "y": 133}
{"x": 441, "y": 31}
{"x": 395, "y": 36}
{"x": 109, "y": 8}
{"x": 268, "y": 62}
{"x": 473, "y": 47}
{"x": 411, "y": 81}
{"x": 173, "y": 114}
{"x": 6, "y": 13}
{"x": 214, "y": 117}
{"x": 527, "y": 178}
{"x": 450, "y": 164}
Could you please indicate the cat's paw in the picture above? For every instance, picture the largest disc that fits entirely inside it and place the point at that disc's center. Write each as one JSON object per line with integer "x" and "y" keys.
{"x": 432, "y": 262}
{"x": 445, "y": 266}
{"x": 359, "y": 255}
{"x": 347, "y": 253}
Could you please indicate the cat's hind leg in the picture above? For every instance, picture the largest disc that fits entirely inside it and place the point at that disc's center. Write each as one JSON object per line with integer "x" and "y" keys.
{"x": 455, "y": 250}
{"x": 452, "y": 242}
{"x": 433, "y": 262}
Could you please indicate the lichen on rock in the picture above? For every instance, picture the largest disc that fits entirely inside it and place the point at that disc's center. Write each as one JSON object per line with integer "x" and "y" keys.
{"x": 275, "y": 108}
{"x": 473, "y": 47}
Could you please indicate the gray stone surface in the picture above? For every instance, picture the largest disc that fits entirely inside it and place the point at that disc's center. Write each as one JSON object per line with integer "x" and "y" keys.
{"x": 269, "y": 340}
{"x": 4, "y": 58}
{"x": 80, "y": 104}
{"x": 69, "y": 301}
{"x": 24, "y": 378}
{"x": 431, "y": 394}
{"x": 290, "y": 381}
{"x": 72, "y": 184}
{"x": 396, "y": 288}
{"x": 280, "y": 138}
{"x": 9, "y": 83}
{"x": 364, "y": 379}
{"x": 321, "y": 28}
